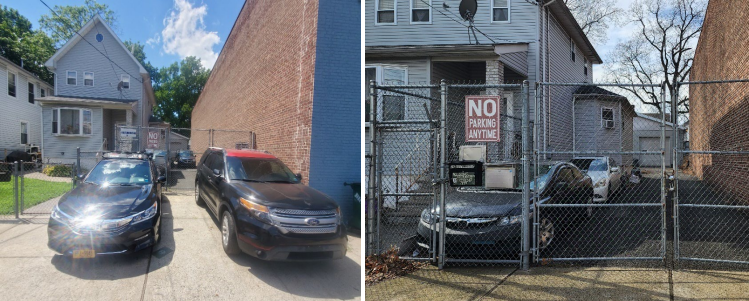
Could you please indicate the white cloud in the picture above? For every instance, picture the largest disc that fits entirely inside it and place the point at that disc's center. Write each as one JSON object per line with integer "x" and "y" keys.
{"x": 154, "y": 41}
{"x": 184, "y": 33}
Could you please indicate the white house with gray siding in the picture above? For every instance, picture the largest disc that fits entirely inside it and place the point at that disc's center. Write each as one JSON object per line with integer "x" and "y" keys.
{"x": 20, "y": 110}
{"x": 98, "y": 84}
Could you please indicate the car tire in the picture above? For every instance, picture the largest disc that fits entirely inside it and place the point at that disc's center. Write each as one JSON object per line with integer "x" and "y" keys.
{"x": 198, "y": 199}
{"x": 228, "y": 234}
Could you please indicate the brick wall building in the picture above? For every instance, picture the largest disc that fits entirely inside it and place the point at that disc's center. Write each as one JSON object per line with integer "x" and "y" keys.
{"x": 719, "y": 113}
{"x": 290, "y": 72}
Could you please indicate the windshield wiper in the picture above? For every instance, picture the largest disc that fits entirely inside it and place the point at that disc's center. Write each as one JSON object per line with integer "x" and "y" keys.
{"x": 281, "y": 181}
{"x": 89, "y": 182}
{"x": 248, "y": 180}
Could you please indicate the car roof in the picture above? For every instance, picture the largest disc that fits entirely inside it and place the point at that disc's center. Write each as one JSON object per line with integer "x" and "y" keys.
{"x": 248, "y": 153}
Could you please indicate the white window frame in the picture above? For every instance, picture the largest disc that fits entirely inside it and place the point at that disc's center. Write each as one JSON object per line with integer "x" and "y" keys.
{"x": 27, "y": 133}
{"x": 395, "y": 13}
{"x": 379, "y": 71}
{"x": 411, "y": 15}
{"x": 92, "y": 78}
{"x": 613, "y": 116}
{"x": 80, "y": 118}
{"x": 67, "y": 77}
{"x": 122, "y": 78}
{"x": 15, "y": 84}
{"x": 509, "y": 11}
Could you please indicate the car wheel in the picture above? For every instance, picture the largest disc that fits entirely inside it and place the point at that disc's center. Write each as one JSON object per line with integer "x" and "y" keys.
{"x": 198, "y": 199}
{"x": 545, "y": 233}
{"x": 228, "y": 235}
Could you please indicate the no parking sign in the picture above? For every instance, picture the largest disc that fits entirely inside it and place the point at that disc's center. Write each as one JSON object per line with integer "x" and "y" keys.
{"x": 482, "y": 118}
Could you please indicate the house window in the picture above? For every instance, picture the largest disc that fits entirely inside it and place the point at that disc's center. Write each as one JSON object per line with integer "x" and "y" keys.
{"x": 72, "y": 78}
{"x": 12, "y": 84}
{"x": 585, "y": 66}
{"x": 386, "y": 11}
{"x": 607, "y": 118}
{"x": 43, "y": 94}
{"x": 72, "y": 121}
{"x": 572, "y": 50}
{"x": 421, "y": 11}
{"x": 125, "y": 81}
{"x": 24, "y": 133}
{"x": 500, "y": 10}
{"x": 88, "y": 79}
{"x": 390, "y": 106}
{"x": 31, "y": 93}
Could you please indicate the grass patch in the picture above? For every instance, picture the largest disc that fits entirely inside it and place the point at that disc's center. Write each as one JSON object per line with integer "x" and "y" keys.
{"x": 35, "y": 192}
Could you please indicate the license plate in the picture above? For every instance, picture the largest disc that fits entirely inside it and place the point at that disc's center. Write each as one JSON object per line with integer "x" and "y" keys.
{"x": 84, "y": 253}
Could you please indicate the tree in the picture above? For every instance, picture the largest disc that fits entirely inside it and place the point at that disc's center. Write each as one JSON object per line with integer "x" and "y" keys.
{"x": 64, "y": 21}
{"x": 178, "y": 89}
{"x": 594, "y": 17}
{"x": 136, "y": 48}
{"x": 18, "y": 42}
{"x": 660, "y": 50}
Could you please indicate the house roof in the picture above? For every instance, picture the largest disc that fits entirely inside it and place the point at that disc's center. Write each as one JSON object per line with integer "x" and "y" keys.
{"x": 568, "y": 22}
{"x": 645, "y": 116}
{"x": 27, "y": 72}
{"x": 107, "y": 102}
{"x": 51, "y": 63}
{"x": 595, "y": 90}
{"x": 179, "y": 136}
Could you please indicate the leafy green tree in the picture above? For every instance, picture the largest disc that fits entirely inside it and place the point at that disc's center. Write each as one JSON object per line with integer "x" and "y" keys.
{"x": 178, "y": 89}
{"x": 19, "y": 42}
{"x": 136, "y": 48}
{"x": 67, "y": 20}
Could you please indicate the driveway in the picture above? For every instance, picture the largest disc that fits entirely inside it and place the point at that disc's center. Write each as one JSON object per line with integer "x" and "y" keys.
{"x": 188, "y": 263}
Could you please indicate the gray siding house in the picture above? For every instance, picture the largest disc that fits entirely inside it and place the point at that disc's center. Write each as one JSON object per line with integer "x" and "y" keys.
{"x": 647, "y": 137}
{"x": 602, "y": 121}
{"x": 20, "y": 116}
{"x": 93, "y": 94}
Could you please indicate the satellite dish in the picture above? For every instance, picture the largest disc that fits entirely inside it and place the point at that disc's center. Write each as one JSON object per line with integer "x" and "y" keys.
{"x": 468, "y": 9}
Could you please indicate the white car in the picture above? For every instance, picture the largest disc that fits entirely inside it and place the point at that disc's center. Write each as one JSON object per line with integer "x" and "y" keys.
{"x": 604, "y": 172}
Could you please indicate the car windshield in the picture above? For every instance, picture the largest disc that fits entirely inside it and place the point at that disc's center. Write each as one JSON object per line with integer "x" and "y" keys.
{"x": 159, "y": 154}
{"x": 259, "y": 170}
{"x": 545, "y": 172}
{"x": 185, "y": 154}
{"x": 590, "y": 164}
{"x": 120, "y": 172}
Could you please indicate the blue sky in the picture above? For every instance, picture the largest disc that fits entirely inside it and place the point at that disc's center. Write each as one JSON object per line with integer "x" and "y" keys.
{"x": 169, "y": 29}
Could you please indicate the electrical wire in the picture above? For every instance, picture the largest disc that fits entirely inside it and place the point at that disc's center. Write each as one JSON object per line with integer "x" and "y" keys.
{"x": 470, "y": 27}
{"x": 92, "y": 45}
{"x": 114, "y": 72}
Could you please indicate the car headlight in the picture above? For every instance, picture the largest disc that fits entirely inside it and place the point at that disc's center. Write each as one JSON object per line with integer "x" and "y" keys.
{"x": 258, "y": 211}
{"x": 142, "y": 216}
{"x": 428, "y": 217}
{"x": 509, "y": 220}
{"x": 600, "y": 183}
{"x": 58, "y": 216}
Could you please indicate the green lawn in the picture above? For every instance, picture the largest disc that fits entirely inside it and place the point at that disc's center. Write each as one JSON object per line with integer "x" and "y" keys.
{"x": 35, "y": 192}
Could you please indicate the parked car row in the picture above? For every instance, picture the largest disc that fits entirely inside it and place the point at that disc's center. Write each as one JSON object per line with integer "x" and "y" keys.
{"x": 263, "y": 208}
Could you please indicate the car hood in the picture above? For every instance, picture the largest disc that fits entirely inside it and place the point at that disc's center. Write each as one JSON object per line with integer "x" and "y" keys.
{"x": 472, "y": 204}
{"x": 287, "y": 195}
{"x": 596, "y": 176}
{"x": 108, "y": 202}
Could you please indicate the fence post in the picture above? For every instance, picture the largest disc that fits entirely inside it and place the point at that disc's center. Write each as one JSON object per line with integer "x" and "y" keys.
{"x": 15, "y": 188}
{"x": 526, "y": 178}
{"x": 443, "y": 182}
{"x": 675, "y": 193}
{"x": 536, "y": 159}
{"x": 210, "y": 136}
{"x": 372, "y": 167}
{"x": 22, "y": 189}
{"x": 77, "y": 169}
{"x": 167, "y": 158}
{"x": 663, "y": 172}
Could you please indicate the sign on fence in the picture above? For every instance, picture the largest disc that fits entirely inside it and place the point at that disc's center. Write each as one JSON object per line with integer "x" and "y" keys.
{"x": 128, "y": 134}
{"x": 482, "y": 118}
{"x": 153, "y": 139}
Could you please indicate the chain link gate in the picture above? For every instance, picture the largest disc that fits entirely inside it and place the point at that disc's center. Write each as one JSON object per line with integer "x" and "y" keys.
{"x": 711, "y": 211}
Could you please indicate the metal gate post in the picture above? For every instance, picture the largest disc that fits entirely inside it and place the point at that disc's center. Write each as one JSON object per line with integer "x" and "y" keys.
{"x": 663, "y": 172}
{"x": 526, "y": 179}
{"x": 21, "y": 191}
{"x": 675, "y": 193}
{"x": 77, "y": 170}
{"x": 443, "y": 163}
{"x": 15, "y": 188}
{"x": 166, "y": 158}
{"x": 372, "y": 172}
{"x": 536, "y": 158}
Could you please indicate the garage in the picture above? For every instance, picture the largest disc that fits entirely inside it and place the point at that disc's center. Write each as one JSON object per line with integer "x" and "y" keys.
{"x": 653, "y": 144}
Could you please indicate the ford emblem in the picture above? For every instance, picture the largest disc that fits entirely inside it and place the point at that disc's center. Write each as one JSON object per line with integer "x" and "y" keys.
{"x": 312, "y": 221}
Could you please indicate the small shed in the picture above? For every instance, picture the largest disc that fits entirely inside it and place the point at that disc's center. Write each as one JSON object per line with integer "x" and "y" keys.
{"x": 178, "y": 142}
{"x": 602, "y": 121}
{"x": 647, "y": 137}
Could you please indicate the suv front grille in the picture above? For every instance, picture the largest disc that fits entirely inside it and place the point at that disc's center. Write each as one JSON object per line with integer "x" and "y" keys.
{"x": 306, "y": 221}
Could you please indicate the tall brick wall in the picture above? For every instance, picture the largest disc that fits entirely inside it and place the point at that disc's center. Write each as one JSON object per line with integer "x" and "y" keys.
{"x": 263, "y": 80}
{"x": 719, "y": 113}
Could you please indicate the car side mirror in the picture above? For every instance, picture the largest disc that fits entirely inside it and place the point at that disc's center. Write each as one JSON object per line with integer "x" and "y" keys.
{"x": 615, "y": 169}
{"x": 161, "y": 179}
{"x": 80, "y": 177}
{"x": 217, "y": 172}
{"x": 299, "y": 176}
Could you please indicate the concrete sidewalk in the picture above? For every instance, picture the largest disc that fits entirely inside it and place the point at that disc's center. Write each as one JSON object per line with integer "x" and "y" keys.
{"x": 555, "y": 283}
{"x": 188, "y": 264}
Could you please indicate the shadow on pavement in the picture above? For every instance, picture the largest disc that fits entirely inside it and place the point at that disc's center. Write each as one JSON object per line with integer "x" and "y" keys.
{"x": 112, "y": 267}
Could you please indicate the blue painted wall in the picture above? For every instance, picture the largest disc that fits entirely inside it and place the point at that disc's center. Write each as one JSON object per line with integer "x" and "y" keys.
{"x": 335, "y": 154}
